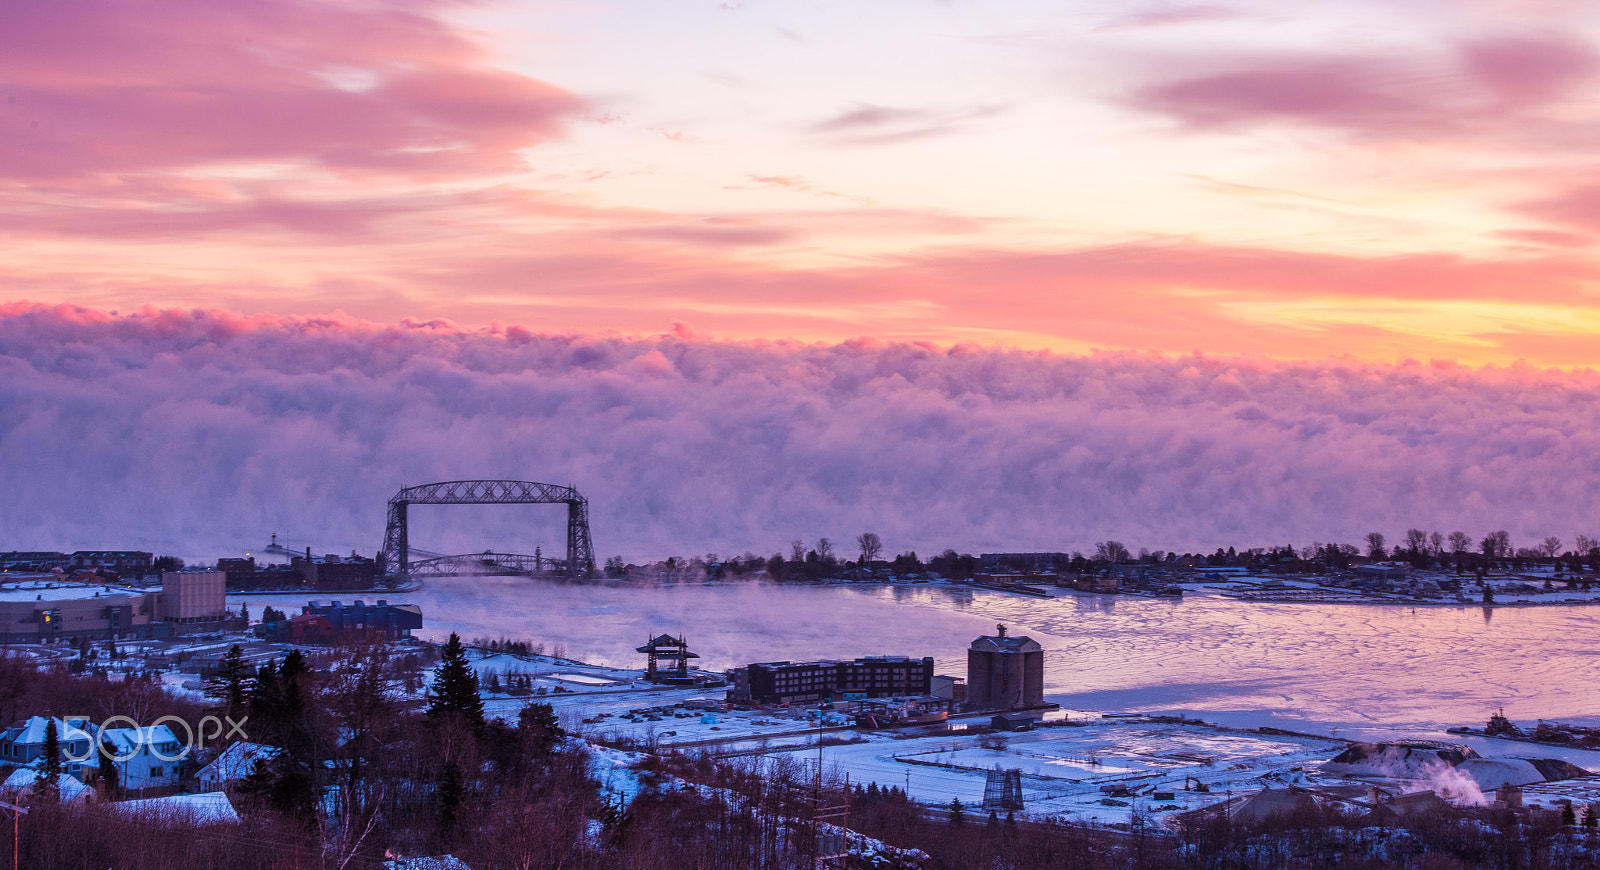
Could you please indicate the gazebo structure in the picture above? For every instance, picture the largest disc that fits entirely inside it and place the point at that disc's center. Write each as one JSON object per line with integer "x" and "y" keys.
{"x": 674, "y": 651}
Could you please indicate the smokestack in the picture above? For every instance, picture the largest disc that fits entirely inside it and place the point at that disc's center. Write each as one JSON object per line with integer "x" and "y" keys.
{"x": 1001, "y": 629}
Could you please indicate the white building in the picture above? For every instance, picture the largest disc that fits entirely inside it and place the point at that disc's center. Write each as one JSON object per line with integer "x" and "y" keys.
{"x": 235, "y": 763}
{"x": 145, "y": 758}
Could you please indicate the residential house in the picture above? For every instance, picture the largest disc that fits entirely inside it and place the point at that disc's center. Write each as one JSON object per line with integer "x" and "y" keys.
{"x": 235, "y": 763}
{"x": 23, "y": 744}
{"x": 145, "y": 758}
{"x": 20, "y": 785}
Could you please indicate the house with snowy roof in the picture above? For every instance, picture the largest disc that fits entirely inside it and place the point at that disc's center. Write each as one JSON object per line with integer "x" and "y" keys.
{"x": 145, "y": 758}
{"x": 210, "y": 808}
{"x": 20, "y": 786}
{"x": 23, "y": 744}
{"x": 235, "y": 763}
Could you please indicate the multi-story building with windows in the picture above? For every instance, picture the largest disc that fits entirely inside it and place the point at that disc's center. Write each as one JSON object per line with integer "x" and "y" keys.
{"x": 821, "y": 681}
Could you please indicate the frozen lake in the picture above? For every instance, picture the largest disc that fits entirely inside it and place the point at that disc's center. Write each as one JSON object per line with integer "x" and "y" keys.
{"x": 1351, "y": 667}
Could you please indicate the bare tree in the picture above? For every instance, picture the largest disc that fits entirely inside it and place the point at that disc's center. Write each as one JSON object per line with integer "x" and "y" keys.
{"x": 1460, "y": 543}
{"x": 1550, "y": 547}
{"x": 871, "y": 546}
{"x": 797, "y": 551}
{"x": 824, "y": 549}
{"x": 1110, "y": 551}
{"x": 1585, "y": 544}
{"x": 1497, "y": 544}
{"x": 1375, "y": 548}
{"x": 1436, "y": 544}
{"x": 1417, "y": 541}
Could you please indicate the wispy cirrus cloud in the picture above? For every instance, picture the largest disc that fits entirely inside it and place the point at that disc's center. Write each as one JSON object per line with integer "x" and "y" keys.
{"x": 870, "y": 124}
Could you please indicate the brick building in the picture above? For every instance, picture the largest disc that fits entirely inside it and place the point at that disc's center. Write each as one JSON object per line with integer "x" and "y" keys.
{"x": 820, "y": 681}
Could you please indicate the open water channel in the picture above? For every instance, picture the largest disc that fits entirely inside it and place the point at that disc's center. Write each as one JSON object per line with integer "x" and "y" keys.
{"x": 1356, "y": 667}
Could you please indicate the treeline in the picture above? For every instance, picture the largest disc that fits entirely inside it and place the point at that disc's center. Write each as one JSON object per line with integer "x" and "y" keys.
{"x": 1456, "y": 551}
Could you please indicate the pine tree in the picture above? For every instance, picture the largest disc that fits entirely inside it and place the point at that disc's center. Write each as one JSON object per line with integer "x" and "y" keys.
{"x": 50, "y": 755}
{"x": 110, "y": 774}
{"x": 454, "y": 692}
{"x": 228, "y": 683}
{"x": 539, "y": 729}
{"x": 451, "y": 794}
{"x": 46, "y": 785}
{"x": 958, "y": 812}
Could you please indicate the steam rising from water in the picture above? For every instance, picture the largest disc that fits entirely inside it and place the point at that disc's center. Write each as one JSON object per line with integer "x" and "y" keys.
{"x": 199, "y": 433}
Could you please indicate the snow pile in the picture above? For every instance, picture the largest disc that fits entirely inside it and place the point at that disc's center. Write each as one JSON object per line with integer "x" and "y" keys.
{"x": 1492, "y": 773}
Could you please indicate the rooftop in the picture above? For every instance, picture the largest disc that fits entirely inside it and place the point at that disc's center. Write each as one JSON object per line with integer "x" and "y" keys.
{"x": 60, "y": 590}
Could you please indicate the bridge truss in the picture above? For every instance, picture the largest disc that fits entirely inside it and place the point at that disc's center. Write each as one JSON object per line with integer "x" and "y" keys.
{"x": 396, "y": 554}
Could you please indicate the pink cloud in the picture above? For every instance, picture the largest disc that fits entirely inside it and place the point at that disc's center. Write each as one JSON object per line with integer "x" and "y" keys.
{"x": 1577, "y": 206}
{"x": 1359, "y": 93}
{"x": 107, "y": 87}
{"x": 1486, "y": 88}
{"x": 1530, "y": 68}
{"x": 305, "y": 426}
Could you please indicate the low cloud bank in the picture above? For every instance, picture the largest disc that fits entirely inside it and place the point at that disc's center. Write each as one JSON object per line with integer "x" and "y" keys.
{"x": 199, "y": 433}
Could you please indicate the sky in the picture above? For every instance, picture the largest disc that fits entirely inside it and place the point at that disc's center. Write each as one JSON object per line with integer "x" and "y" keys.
{"x": 1309, "y": 270}
{"x": 1381, "y": 179}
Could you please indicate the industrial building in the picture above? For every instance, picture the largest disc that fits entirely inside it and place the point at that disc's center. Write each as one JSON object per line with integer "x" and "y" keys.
{"x": 327, "y": 573}
{"x": 45, "y": 609}
{"x": 1005, "y": 673}
{"x": 811, "y": 682}
{"x": 336, "y": 622}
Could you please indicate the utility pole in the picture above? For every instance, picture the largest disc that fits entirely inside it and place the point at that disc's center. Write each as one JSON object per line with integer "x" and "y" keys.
{"x": 16, "y": 831}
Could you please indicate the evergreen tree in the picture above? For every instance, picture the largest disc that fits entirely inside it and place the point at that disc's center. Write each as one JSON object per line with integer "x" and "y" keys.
{"x": 110, "y": 774}
{"x": 539, "y": 729}
{"x": 266, "y": 699}
{"x": 228, "y": 683}
{"x": 50, "y": 755}
{"x": 454, "y": 692}
{"x": 46, "y": 786}
{"x": 958, "y": 812}
{"x": 451, "y": 795}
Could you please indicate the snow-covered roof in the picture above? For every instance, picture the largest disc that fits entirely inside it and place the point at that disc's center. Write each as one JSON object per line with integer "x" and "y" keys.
{"x": 1492, "y": 773}
{"x": 237, "y": 761}
{"x": 208, "y": 808}
{"x": 22, "y": 778}
{"x": 443, "y": 862}
{"x": 47, "y": 592}
{"x": 32, "y": 731}
{"x": 121, "y": 742}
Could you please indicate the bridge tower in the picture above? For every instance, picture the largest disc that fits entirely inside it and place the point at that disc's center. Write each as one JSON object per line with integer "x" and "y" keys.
{"x": 396, "y": 555}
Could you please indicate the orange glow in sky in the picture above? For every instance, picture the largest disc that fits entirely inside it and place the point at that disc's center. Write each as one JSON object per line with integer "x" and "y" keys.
{"x": 1382, "y": 180}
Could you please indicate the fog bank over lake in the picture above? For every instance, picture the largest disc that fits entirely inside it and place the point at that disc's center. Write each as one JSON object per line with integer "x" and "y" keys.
{"x": 1422, "y": 668}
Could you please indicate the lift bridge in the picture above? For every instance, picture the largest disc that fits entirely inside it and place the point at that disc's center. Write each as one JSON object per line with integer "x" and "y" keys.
{"x": 396, "y": 557}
